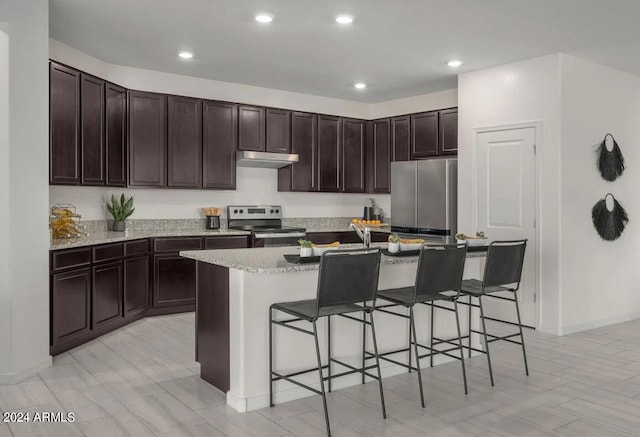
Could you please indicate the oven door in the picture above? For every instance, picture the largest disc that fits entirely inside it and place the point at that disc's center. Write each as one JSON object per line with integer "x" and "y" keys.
{"x": 275, "y": 239}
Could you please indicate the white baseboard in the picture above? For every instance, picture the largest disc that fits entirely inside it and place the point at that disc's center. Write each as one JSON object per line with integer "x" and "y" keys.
{"x": 548, "y": 329}
{"x": 16, "y": 377}
{"x": 579, "y": 327}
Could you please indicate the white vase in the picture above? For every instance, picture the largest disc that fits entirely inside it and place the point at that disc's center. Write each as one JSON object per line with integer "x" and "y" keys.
{"x": 393, "y": 247}
{"x": 306, "y": 251}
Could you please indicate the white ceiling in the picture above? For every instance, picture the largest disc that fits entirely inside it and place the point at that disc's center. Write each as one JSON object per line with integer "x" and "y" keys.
{"x": 398, "y": 47}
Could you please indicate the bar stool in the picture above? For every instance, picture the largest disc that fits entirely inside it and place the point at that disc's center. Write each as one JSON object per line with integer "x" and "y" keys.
{"x": 438, "y": 278}
{"x": 502, "y": 273}
{"x": 347, "y": 282}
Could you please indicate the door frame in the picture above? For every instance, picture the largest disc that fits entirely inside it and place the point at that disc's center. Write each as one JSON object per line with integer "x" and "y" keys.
{"x": 537, "y": 126}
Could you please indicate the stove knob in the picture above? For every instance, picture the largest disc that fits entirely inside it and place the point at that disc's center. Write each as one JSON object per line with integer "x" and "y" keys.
{"x": 271, "y": 211}
{"x": 241, "y": 211}
{"x": 235, "y": 211}
{"x": 277, "y": 210}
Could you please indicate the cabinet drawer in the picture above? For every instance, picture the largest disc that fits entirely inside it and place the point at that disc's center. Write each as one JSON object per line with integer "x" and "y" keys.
{"x": 132, "y": 248}
{"x": 240, "y": 241}
{"x": 107, "y": 252}
{"x": 66, "y": 259}
{"x": 177, "y": 244}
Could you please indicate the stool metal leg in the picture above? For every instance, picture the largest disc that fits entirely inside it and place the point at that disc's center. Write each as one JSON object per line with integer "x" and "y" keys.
{"x": 329, "y": 351}
{"x": 486, "y": 342}
{"x": 364, "y": 341}
{"x": 271, "y": 357}
{"x": 469, "y": 327}
{"x": 431, "y": 350}
{"x": 410, "y": 340}
{"x": 524, "y": 352}
{"x": 375, "y": 350}
{"x": 415, "y": 345}
{"x": 324, "y": 395}
{"x": 464, "y": 371}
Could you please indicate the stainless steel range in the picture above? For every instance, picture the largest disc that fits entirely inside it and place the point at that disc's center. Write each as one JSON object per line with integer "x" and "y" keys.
{"x": 265, "y": 224}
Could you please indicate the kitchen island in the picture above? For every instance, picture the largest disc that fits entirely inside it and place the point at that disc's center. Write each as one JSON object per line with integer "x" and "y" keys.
{"x": 235, "y": 290}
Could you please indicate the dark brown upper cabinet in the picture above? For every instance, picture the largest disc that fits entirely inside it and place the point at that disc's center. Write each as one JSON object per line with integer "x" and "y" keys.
{"x": 251, "y": 128}
{"x": 184, "y": 142}
{"x": 329, "y": 151}
{"x": 278, "y": 130}
{"x": 116, "y": 135}
{"x": 400, "y": 138}
{"x": 64, "y": 125}
{"x": 219, "y": 143}
{"x": 424, "y": 135}
{"x": 448, "y": 144}
{"x": 353, "y": 156}
{"x": 92, "y": 130}
{"x": 147, "y": 139}
{"x": 301, "y": 176}
{"x": 381, "y": 156}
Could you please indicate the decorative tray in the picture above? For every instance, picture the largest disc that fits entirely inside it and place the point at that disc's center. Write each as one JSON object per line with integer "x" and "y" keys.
{"x": 401, "y": 253}
{"x": 297, "y": 259}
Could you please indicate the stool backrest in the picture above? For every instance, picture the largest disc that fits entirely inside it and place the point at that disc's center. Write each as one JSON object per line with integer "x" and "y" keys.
{"x": 440, "y": 268}
{"x": 504, "y": 263}
{"x": 348, "y": 276}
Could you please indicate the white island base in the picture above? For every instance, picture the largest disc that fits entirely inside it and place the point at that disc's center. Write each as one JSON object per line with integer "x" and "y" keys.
{"x": 253, "y": 285}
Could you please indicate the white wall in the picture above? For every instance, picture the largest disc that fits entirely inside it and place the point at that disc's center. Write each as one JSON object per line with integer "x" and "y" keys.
{"x": 599, "y": 279}
{"x": 24, "y": 311}
{"x": 509, "y": 94}
{"x": 254, "y": 185}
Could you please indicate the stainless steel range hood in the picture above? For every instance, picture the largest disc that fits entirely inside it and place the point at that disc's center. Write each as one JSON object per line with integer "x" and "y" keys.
{"x": 265, "y": 159}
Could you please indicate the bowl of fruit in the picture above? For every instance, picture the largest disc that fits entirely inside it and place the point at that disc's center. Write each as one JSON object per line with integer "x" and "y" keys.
{"x": 319, "y": 249}
{"x": 476, "y": 240}
{"x": 410, "y": 244}
{"x": 370, "y": 223}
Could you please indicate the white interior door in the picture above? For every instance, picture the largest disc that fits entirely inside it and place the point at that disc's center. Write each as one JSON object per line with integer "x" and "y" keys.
{"x": 506, "y": 207}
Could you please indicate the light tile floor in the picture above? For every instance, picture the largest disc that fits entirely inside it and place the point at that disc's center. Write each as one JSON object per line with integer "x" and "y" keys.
{"x": 142, "y": 381}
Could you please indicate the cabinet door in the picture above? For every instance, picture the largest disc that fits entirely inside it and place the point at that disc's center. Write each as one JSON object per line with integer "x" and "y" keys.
{"x": 92, "y": 130}
{"x": 116, "y": 135}
{"x": 400, "y": 138}
{"x": 424, "y": 135}
{"x": 64, "y": 125}
{"x": 278, "y": 131}
{"x": 448, "y": 144}
{"x": 70, "y": 302}
{"x": 219, "y": 142}
{"x": 381, "y": 156}
{"x": 136, "y": 284}
{"x": 174, "y": 281}
{"x": 353, "y": 156}
{"x": 251, "y": 129}
{"x": 147, "y": 139}
{"x": 184, "y": 148}
{"x": 231, "y": 242}
{"x": 106, "y": 299}
{"x": 329, "y": 139}
{"x": 330, "y": 237}
{"x": 302, "y": 175}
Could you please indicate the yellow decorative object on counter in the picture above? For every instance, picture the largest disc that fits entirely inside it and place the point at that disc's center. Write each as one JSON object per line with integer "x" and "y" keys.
{"x": 63, "y": 222}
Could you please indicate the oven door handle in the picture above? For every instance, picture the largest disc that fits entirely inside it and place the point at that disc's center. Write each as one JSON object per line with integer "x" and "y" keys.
{"x": 281, "y": 235}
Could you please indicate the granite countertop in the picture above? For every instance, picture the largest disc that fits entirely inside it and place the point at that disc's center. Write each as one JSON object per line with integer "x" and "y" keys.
{"x": 269, "y": 260}
{"x": 114, "y": 237}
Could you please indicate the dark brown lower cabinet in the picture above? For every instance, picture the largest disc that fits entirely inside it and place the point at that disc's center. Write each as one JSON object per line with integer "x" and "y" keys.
{"x": 136, "y": 285}
{"x": 70, "y": 305}
{"x": 174, "y": 281}
{"x": 344, "y": 237}
{"x": 106, "y": 302}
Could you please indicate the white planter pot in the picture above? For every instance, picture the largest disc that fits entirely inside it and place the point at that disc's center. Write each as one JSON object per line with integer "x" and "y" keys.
{"x": 306, "y": 251}
{"x": 393, "y": 247}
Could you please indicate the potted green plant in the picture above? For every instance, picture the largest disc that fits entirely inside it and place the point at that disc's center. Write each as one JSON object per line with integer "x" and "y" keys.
{"x": 120, "y": 210}
{"x": 306, "y": 247}
{"x": 394, "y": 243}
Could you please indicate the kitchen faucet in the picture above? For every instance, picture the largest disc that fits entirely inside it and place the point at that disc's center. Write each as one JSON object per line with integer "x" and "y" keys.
{"x": 365, "y": 235}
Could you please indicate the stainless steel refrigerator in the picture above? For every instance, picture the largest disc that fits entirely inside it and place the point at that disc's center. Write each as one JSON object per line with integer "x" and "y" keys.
{"x": 424, "y": 197}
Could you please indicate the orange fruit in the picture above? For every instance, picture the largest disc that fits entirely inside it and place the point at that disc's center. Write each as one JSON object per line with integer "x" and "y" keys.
{"x": 355, "y": 220}
{"x": 377, "y": 222}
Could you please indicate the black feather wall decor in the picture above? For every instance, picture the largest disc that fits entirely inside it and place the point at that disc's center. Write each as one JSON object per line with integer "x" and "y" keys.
{"x": 610, "y": 162}
{"x": 609, "y": 223}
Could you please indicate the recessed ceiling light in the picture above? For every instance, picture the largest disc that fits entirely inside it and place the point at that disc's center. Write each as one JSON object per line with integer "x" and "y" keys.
{"x": 454, "y": 63}
{"x": 344, "y": 19}
{"x": 185, "y": 55}
{"x": 360, "y": 85}
{"x": 264, "y": 18}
